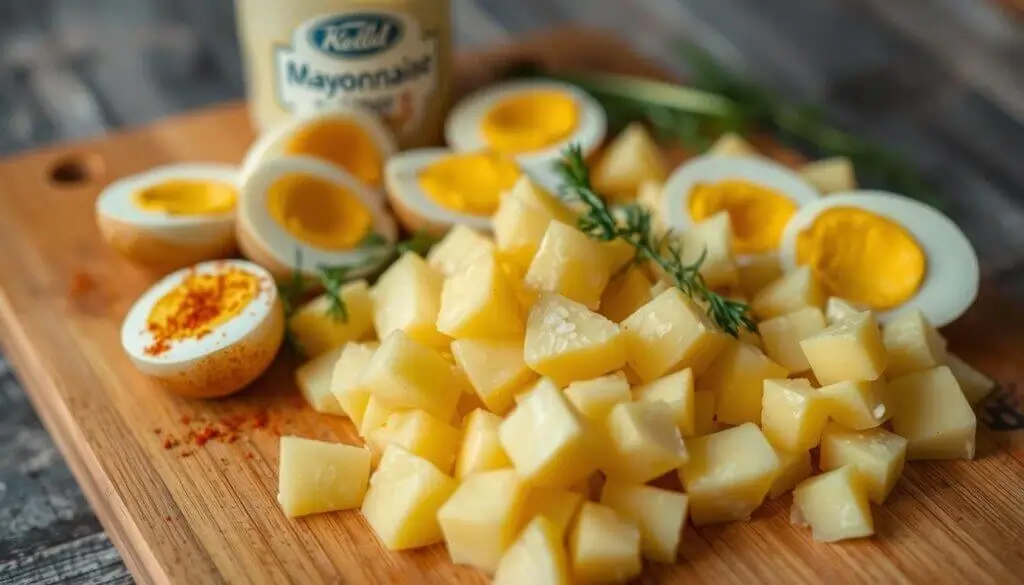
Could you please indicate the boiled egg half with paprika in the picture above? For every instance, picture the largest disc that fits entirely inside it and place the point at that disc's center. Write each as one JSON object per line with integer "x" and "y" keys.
{"x": 208, "y": 330}
{"x": 300, "y": 212}
{"x": 760, "y": 197}
{"x": 885, "y": 252}
{"x": 171, "y": 216}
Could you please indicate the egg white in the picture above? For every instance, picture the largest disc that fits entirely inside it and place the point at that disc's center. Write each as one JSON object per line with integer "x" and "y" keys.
{"x": 952, "y": 273}
{"x": 463, "y": 131}
{"x": 256, "y": 224}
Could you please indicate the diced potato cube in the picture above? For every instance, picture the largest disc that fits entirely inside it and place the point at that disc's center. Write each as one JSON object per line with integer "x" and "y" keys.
{"x": 728, "y": 474}
{"x": 559, "y": 506}
{"x": 316, "y": 330}
{"x": 569, "y": 263}
{"x": 857, "y": 405}
{"x": 714, "y": 236}
{"x": 659, "y": 514}
{"x": 481, "y": 448}
{"x": 567, "y": 342}
{"x": 877, "y": 454}
{"x": 782, "y": 335}
{"x": 830, "y": 175}
{"x": 315, "y": 476}
{"x": 732, "y": 144}
{"x": 659, "y": 287}
{"x": 794, "y": 467}
{"x": 629, "y": 160}
{"x": 704, "y": 413}
{"x": 496, "y": 370}
{"x": 522, "y": 218}
{"x": 625, "y": 294}
{"x": 793, "y": 414}
{"x": 757, "y": 272}
{"x": 651, "y": 196}
{"x": 405, "y": 494}
{"x": 671, "y": 333}
{"x": 314, "y": 381}
{"x": 406, "y": 374}
{"x": 478, "y": 302}
{"x": 676, "y": 390}
{"x": 529, "y": 191}
{"x": 793, "y": 291}
{"x": 737, "y": 379}
{"x": 459, "y": 247}
{"x": 547, "y": 440}
{"x": 931, "y": 412}
{"x": 537, "y": 557}
{"x": 595, "y": 398}
{"x": 912, "y": 343}
{"x": 374, "y": 417}
{"x": 837, "y": 309}
{"x": 835, "y": 506}
{"x": 424, "y": 436}
{"x": 408, "y": 297}
{"x": 345, "y": 380}
{"x": 851, "y": 349}
{"x": 617, "y": 253}
{"x": 604, "y": 547}
{"x": 976, "y": 386}
{"x": 644, "y": 442}
{"x": 479, "y": 521}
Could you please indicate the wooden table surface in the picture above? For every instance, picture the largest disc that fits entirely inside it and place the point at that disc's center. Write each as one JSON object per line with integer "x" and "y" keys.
{"x": 941, "y": 80}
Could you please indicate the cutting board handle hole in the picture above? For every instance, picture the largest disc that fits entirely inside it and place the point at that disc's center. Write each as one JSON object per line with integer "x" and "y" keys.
{"x": 75, "y": 170}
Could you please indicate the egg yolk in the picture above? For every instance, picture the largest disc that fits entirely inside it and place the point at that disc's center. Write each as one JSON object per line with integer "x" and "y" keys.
{"x": 343, "y": 143}
{"x": 863, "y": 257}
{"x": 200, "y": 304}
{"x": 530, "y": 120}
{"x": 469, "y": 183}
{"x": 186, "y": 197}
{"x": 317, "y": 212}
{"x": 758, "y": 214}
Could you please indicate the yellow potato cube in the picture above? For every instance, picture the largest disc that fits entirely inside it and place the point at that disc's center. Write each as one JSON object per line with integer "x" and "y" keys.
{"x": 793, "y": 414}
{"x": 557, "y": 505}
{"x": 617, "y": 253}
{"x": 496, "y": 370}
{"x": 931, "y": 412}
{"x": 737, "y": 379}
{"x": 857, "y": 405}
{"x": 407, "y": 297}
{"x": 405, "y": 494}
{"x": 782, "y": 335}
{"x": 851, "y": 349}
{"x": 375, "y": 416}
{"x": 478, "y": 302}
{"x": 794, "y": 467}
{"x": 659, "y": 514}
{"x": 547, "y": 440}
{"x": 314, "y": 381}
{"x": 459, "y": 247}
{"x": 316, "y": 331}
{"x": 835, "y": 506}
{"x": 481, "y": 448}
{"x": 830, "y": 175}
{"x": 351, "y": 397}
{"x": 522, "y": 218}
{"x": 728, "y": 474}
{"x": 566, "y": 341}
{"x": 712, "y": 237}
{"x": 877, "y": 454}
{"x": 976, "y": 386}
{"x": 479, "y": 521}
{"x": 793, "y": 291}
{"x": 671, "y": 333}
{"x": 537, "y": 557}
{"x": 629, "y": 160}
{"x": 595, "y": 398}
{"x": 757, "y": 272}
{"x": 625, "y": 294}
{"x": 644, "y": 442}
{"x": 314, "y": 476}
{"x": 675, "y": 390}
{"x": 422, "y": 435}
{"x": 569, "y": 263}
{"x": 837, "y": 309}
{"x": 732, "y": 144}
{"x": 604, "y": 547}
{"x": 912, "y": 344}
{"x": 703, "y": 413}
{"x": 527, "y": 190}
{"x": 651, "y": 196}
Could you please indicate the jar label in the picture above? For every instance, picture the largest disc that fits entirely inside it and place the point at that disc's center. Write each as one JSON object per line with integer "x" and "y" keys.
{"x": 376, "y": 59}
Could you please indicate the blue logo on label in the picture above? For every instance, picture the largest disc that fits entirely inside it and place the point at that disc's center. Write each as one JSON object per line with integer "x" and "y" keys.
{"x": 356, "y": 35}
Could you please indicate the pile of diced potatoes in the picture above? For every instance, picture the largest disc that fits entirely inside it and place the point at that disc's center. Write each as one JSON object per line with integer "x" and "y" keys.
{"x": 517, "y": 395}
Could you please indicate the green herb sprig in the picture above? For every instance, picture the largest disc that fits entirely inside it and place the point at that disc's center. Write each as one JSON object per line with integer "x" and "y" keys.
{"x": 598, "y": 222}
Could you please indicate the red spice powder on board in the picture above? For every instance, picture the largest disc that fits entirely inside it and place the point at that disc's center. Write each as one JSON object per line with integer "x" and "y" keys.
{"x": 226, "y": 429}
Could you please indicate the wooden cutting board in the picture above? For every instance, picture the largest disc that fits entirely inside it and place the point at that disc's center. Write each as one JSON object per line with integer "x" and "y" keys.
{"x": 184, "y": 512}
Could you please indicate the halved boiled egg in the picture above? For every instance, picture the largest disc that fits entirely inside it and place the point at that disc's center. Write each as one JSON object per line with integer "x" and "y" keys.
{"x": 208, "y": 330}
{"x": 299, "y": 209}
{"x": 171, "y": 216}
{"x": 532, "y": 121}
{"x": 886, "y": 252}
{"x": 353, "y": 139}
{"x": 759, "y": 195}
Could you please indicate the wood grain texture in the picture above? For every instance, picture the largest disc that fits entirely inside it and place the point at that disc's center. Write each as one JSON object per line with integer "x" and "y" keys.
{"x": 212, "y": 516}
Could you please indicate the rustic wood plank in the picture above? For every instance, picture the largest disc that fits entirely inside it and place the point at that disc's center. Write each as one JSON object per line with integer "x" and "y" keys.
{"x": 89, "y": 560}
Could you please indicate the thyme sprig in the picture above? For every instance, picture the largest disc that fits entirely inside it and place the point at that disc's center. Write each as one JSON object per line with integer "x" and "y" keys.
{"x": 636, "y": 228}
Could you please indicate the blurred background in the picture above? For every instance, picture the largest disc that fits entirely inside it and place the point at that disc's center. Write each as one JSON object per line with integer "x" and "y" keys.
{"x": 941, "y": 81}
